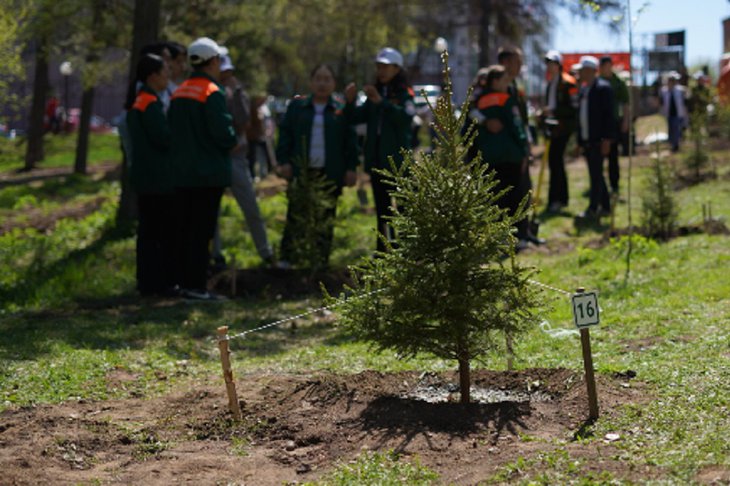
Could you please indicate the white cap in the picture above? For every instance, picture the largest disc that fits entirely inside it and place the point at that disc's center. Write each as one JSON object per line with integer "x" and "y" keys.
{"x": 203, "y": 49}
{"x": 389, "y": 55}
{"x": 226, "y": 64}
{"x": 554, "y": 56}
{"x": 576, "y": 67}
{"x": 588, "y": 62}
{"x": 674, "y": 75}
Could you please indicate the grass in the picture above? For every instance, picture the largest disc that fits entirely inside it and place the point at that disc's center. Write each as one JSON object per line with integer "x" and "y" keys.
{"x": 70, "y": 322}
{"x": 59, "y": 150}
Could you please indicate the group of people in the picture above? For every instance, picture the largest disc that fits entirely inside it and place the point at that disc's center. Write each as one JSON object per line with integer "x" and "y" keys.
{"x": 188, "y": 142}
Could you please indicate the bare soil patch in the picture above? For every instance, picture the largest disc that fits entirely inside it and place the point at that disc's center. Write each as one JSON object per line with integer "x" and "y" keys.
{"x": 297, "y": 428}
{"x": 43, "y": 220}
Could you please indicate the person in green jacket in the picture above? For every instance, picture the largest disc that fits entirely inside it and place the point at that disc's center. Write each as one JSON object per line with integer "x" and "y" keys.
{"x": 502, "y": 140}
{"x": 202, "y": 140}
{"x": 316, "y": 132}
{"x": 388, "y": 113}
{"x": 150, "y": 179}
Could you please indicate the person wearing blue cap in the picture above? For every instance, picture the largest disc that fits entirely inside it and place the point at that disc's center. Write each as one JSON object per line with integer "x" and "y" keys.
{"x": 388, "y": 113}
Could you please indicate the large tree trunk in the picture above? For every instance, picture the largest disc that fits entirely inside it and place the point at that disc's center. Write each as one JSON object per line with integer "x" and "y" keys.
{"x": 485, "y": 37}
{"x": 82, "y": 143}
{"x": 34, "y": 150}
{"x": 146, "y": 30}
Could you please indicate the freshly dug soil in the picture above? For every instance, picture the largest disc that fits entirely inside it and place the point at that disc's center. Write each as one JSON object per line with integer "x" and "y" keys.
{"x": 296, "y": 428}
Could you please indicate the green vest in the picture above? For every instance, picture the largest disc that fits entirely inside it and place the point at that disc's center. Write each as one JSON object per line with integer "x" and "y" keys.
{"x": 150, "y": 135}
{"x": 388, "y": 127}
{"x": 508, "y": 146}
{"x": 202, "y": 133}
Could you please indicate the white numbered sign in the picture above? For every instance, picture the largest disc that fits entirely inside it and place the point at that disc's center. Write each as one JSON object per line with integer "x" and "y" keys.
{"x": 585, "y": 309}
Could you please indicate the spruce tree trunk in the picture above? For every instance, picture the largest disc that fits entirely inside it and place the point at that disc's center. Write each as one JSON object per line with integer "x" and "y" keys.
{"x": 34, "y": 150}
{"x": 464, "y": 379}
{"x": 82, "y": 144}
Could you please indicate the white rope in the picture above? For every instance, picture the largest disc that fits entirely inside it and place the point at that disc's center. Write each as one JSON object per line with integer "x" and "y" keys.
{"x": 557, "y": 333}
{"x": 549, "y": 287}
{"x": 299, "y": 316}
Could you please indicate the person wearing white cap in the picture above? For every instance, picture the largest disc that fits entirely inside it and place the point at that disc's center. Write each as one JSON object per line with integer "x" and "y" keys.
{"x": 674, "y": 109}
{"x": 242, "y": 187}
{"x": 596, "y": 130}
{"x": 202, "y": 140}
{"x": 561, "y": 102}
{"x": 388, "y": 113}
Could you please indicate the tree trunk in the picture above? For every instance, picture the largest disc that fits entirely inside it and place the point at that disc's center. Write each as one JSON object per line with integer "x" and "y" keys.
{"x": 34, "y": 150}
{"x": 464, "y": 380}
{"x": 146, "y": 29}
{"x": 485, "y": 37}
{"x": 82, "y": 143}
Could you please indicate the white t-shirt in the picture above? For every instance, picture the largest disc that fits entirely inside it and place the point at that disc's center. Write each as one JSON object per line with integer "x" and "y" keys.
{"x": 316, "y": 142}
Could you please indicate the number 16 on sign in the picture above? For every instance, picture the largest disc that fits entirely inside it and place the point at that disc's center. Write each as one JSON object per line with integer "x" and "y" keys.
{"x": 585, "y": 309}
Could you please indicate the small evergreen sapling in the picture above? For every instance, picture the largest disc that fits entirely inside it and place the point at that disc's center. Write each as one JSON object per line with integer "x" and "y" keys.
{"x": 659, "y": 209}
{"x": 311, "y": 194}
{"x": 450, "y": 283}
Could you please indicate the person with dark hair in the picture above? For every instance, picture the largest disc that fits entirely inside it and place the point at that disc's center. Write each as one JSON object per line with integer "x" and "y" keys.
{"x": 202, "y": 140}
{"x": 621, "y": 114}
{"x": 561, "y": 101}
{"x": 316, "y": 132}
{"x": 510, "y": 57}
{"x": 503, "y": 145}
{"x": 150, "y": 179}
{"x": 178, "y": 64}
{"x": 596, "y": 132}
{"x": 388, "y": 113}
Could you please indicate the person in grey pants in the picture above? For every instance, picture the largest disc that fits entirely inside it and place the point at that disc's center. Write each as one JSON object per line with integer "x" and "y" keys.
{"x": 241, "y": 185}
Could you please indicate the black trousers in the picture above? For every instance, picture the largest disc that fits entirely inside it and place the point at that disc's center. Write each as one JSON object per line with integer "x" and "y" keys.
{"x": 599, "y": 191}
{"x": 613, "y": 162}
{"x": 383, "y": 207}
{"x": 326, "y": 228}
{"x": 511, "y": 177}
{"x": 558, "y": 192}
{"x": 198, "y": 213}
{"x": 155, "y": 243}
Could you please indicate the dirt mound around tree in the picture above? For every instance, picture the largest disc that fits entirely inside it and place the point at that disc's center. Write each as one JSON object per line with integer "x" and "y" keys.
{"x": 297, "y": 428}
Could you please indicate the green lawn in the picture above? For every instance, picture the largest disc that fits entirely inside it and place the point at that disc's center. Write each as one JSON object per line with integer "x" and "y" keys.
{"x": 68, "y": 316}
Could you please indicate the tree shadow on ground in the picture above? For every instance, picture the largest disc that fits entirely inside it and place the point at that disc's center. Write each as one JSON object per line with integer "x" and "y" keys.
{"x": 391, "y": 418}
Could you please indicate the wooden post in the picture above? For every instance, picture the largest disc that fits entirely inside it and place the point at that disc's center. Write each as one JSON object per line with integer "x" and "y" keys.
{"x": 228, "y": 373}
{"x": 585, "y": 340}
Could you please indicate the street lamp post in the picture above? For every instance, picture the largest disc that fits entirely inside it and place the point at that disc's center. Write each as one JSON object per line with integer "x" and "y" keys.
{"x": 66, "y": 71}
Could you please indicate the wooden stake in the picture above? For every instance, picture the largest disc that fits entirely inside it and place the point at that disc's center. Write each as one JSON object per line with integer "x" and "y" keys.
{"x": 228, "y": 373}
{"x": 585, "y": 340}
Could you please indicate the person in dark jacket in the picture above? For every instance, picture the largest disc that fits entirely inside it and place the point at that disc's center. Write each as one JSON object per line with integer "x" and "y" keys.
{"x": 202, "y": 140}
{"x": 150, "y": 178}
{"x": 596, "y": 131}
{"x": 561, "y": 101}
{"x": 502, "y": 141}
{"x": 316, "y": 132}
{"x": 388, "y": 113}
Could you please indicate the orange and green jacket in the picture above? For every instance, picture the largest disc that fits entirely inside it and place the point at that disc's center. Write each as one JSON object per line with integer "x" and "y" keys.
{"x": 508, "y": 146}
{"x": 202, "y": 133}
{"x": 150, "y": 134}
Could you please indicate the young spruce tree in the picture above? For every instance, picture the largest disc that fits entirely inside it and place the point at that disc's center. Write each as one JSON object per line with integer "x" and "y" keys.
{"x": 450, "y": 286}
{"x": 310, "y": 194}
